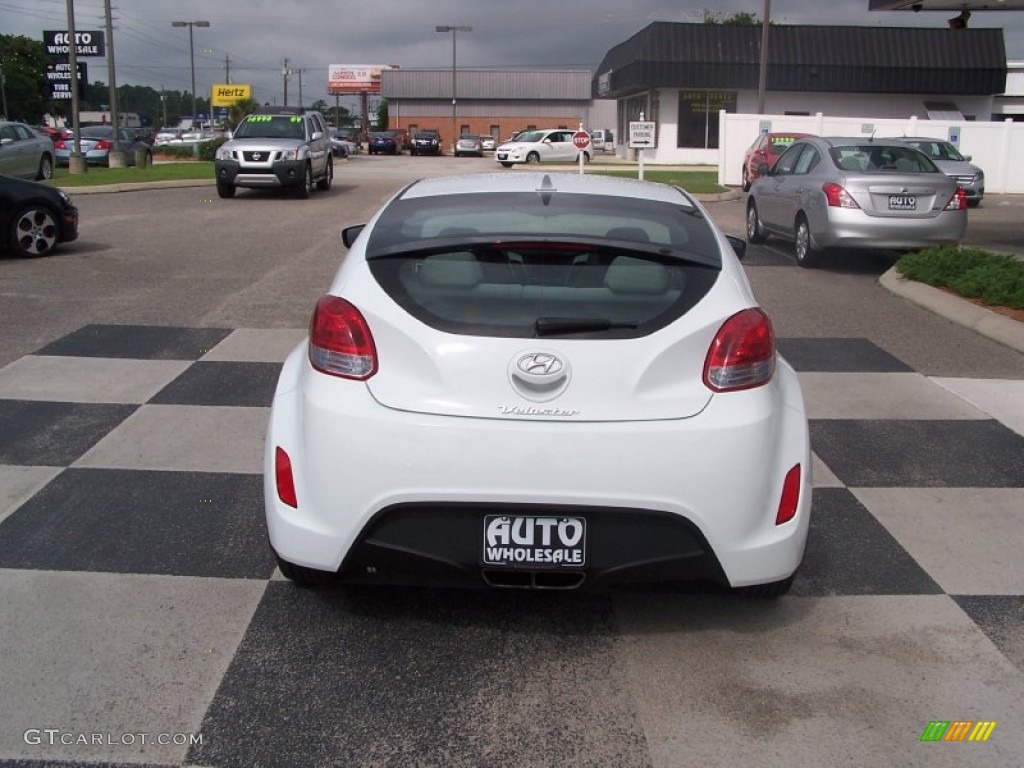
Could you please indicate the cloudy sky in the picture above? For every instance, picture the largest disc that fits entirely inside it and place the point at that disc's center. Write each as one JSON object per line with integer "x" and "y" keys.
{"x": 254, "y": 37}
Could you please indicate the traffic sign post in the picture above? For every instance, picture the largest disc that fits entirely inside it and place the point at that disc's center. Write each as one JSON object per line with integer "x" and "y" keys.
{"x": 581, "y": 139}
{"x": 642, "y": 135}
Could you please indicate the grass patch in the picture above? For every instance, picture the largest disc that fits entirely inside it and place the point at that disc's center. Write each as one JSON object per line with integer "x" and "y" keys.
{"x": 994, "y": 279}
{"x": 98, "y": 175}
{"x": 695, "y": 182}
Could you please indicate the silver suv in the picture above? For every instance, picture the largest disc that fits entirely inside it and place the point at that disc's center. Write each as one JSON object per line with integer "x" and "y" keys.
{"x": 276, "y": 147}
{"x": 958, "y": 167}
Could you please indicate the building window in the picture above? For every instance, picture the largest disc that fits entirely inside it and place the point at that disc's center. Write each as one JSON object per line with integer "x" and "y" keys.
{"x": 698, "y": 117}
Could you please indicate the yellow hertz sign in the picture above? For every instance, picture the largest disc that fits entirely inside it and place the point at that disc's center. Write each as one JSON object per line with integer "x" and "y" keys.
{"x": 226, "y": 94}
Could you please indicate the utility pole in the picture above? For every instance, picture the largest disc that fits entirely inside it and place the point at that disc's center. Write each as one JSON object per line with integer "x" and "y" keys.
{"x": 117, "y": 157}
{"x": 762, "y": 82}
{"x": 227, "y": 69}
{"x": 300, "y": 70}
{"x": 284, "y": 74}
{"x": 76, "y": 162}
{"x": 163, "y": 103}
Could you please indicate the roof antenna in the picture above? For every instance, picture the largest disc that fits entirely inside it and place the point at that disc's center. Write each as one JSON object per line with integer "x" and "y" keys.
{"x": 545, "y": 189}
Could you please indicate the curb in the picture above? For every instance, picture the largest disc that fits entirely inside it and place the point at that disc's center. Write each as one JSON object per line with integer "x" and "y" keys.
{"x": 137, "y": 185}
{"x": 990, "y": 324}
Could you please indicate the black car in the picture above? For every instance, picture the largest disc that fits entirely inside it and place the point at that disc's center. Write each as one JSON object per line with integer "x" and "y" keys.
{"x": 384, "y": 144}
{"x": 34, "y": 218}
{"x": 426, "y": 143}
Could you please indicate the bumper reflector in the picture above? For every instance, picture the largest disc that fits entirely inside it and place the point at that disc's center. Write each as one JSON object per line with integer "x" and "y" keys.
{"x": 285, "y": 481}
{"x": 790, "y": 496}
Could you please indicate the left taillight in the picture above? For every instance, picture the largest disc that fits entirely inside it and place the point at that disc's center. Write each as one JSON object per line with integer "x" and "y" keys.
{"x": 285, "y": 479}
{"x": 958, "y": 202}
{"x": 742, "y": 354}
{"x": 837, "y": 196}
{"x": 59, "y": 144}
{"x": 340, "y": 342}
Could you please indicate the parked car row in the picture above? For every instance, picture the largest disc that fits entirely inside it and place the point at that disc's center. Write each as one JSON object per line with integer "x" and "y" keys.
{"x": 96, "y": 142}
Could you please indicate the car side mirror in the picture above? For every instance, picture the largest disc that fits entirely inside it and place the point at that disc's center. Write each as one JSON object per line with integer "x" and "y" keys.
{"x": 762, "y": 169}
{"x": 317, "y": 135}
{"x": 349, "y": 234}
{"x": 739, "y": 245}
{"x": 967, "y": 158}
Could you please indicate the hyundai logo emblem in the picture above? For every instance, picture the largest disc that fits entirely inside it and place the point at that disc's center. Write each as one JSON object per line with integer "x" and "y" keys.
{"x": 539, "y": 364}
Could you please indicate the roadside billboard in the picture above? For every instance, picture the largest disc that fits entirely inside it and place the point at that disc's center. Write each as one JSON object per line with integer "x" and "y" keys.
{"x": 355, "y": 78}
{"x": 87, "y": 43}
{"x": 226, "y": 94}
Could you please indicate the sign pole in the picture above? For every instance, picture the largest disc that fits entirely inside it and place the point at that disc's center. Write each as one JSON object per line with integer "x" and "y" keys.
{"x": 76, "y": 162}
{"x": 640, "y": 155}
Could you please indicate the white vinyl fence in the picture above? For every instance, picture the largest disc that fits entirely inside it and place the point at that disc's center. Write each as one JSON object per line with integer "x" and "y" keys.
{"x": 996, "y": 148}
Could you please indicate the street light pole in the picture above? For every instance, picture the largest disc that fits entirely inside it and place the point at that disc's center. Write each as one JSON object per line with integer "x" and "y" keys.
{"x": 454, "y": 30}
{"x": 192, "y": 58}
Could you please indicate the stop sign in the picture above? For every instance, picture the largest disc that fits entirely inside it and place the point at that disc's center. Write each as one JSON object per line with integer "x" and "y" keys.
{"x": 581, "y": 139}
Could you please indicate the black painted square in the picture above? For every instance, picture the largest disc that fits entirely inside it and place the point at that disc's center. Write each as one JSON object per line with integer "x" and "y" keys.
{"x": 54, "y": 434}
{"x": 139, "y": 342}
{"x": 222, "y": 383}
{"x": 1000, "y": 617}
{"x": 418, "y": 677}
{"x": 920, "y": 454}
{"x": 130, "y": 521}
{"x": 839, "y": 355}
{"x": 850, "y": 553}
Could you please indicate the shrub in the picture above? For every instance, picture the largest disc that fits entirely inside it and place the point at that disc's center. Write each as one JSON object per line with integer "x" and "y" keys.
{"x": 207, "y": 149}
{"x": 995, "y": 279}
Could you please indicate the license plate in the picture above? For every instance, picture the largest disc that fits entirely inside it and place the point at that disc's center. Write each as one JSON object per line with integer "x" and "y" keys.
{"x": 535, "y": 542}
{"x": 902, "y": 202}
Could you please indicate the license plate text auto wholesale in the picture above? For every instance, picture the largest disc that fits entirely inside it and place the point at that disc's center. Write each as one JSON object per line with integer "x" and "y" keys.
{"x": 902, "y": 203}
{"x": 535, "y": 542}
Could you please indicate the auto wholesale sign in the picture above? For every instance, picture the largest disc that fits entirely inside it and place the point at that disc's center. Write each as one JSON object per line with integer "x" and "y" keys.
{"x": 355, "y": 78}
{"x": 58, "y": 80}
{"x": 226, "y": 94}
{"x": 87, "y": 43}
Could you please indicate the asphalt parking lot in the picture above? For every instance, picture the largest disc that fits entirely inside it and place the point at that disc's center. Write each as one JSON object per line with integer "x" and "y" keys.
{"x": 143, "y": 621}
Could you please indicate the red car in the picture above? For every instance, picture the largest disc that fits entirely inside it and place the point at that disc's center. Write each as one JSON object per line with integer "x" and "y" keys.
{"x": 765, "y": 149}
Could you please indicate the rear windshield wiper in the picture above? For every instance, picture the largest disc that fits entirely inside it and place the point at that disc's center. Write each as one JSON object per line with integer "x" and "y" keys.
{"x": 559, "y": 326}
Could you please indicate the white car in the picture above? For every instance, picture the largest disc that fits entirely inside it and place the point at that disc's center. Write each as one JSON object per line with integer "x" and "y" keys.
{"x": 579, "y": 391}
{"x": 547, "y": 146}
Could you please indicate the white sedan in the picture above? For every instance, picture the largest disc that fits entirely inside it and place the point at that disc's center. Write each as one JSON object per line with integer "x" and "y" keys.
{"x": 547, "y": 146}
{"x": 578, "y": 392}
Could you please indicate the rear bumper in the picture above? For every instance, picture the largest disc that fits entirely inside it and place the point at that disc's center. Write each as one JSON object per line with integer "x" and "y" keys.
{"x": 854, "y": 229}
{"x": 388, "y": 496}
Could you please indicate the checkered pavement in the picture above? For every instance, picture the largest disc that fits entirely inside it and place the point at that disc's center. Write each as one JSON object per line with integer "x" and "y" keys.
{"x": 139, "y": 602}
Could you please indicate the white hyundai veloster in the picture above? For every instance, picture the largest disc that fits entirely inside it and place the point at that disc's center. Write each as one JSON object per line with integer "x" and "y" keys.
{"x": 541, "y": 381}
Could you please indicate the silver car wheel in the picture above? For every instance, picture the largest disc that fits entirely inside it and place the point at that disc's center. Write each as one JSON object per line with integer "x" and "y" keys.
{"x": 755, "y": 232}
{"x": 806, "y": 255}
{"x": 35, "y": 232}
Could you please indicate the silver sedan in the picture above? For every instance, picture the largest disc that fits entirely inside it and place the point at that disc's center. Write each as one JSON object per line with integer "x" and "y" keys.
{"x": 24, "y": 152}
{"x": 855, "y": 193}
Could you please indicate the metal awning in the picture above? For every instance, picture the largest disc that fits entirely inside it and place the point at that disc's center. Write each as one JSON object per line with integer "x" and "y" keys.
{"x": 943, "y": 110}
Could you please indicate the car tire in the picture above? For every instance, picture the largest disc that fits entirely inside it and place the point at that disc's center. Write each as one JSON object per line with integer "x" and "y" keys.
{"x": 762, "y": 591}
{"x": 225, "y": 190}
{"x": 755, "y": 230}
{"x": 533, "y": 157}
{"x": 507, "y": 165}
{"x": 325, "y": 183}
{"x": 35, "y": 231}
{"x": 305, "y": 190}
{"x": 303, "y": 576}
{"x": 746, "y": 179}
{"x": 45, "y": 168}
{"x": 806, "y": 254}
{"x": 585, "y": 156}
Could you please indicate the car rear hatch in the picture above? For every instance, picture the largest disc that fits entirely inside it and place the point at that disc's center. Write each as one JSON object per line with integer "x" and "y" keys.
{"x": 498, "y": 325}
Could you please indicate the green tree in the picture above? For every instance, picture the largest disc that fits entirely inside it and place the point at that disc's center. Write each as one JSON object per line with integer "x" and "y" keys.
{"x": 23, "y": 61}
{"x": 739, "y": 19}
{"x": 239, "y": 110}
{"x": 382, "y": 116}
{"x": 320, "y": 106}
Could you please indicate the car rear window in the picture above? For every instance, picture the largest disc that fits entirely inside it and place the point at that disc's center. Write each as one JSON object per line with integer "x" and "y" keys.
{"x": 875, "y": 158}
{"x": 526, "y": 265}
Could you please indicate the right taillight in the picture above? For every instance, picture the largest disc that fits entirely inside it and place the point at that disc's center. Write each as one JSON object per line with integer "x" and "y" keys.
{"x": 838, "y": 197}
{"x": 958, "y": 202}
{"x": 340, "y": 342}
{"x": 742, "y": 354}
